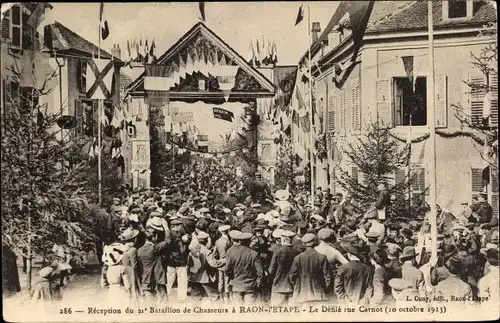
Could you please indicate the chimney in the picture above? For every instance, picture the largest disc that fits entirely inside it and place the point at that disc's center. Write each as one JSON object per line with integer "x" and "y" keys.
{"x": 315, "y": 30}
{"x": 116, "y": 51}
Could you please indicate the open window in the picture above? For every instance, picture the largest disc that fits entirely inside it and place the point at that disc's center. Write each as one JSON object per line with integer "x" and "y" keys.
{"x": 410, "y": 108}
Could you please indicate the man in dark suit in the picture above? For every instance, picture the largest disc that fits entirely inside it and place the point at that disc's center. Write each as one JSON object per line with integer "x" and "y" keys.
{"x": 353, "y": 283}
{"x": 310, "y": 273}
{"x": 244, "y": 269}
{"x": 153, "y": 272}
{"x": 279, "y": 269}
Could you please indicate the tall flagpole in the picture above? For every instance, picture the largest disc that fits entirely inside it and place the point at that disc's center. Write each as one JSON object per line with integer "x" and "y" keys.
{"x": 432, "y": 136}
{"x": 99, "y": 109}
{"x": 311, "y": 137}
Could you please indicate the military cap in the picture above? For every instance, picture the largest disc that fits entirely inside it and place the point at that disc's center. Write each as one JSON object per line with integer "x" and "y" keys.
{"x": 372, "y": 234}
{"x": 234, "y": 234}
{"x": 224, "y": 228}
{"x": 202, "y": 235}
{"x": 154, "y": 214}
{"x": 287, "y": 233}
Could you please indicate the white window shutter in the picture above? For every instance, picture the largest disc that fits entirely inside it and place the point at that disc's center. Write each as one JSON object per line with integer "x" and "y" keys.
{"x": 493, "y": 87}
{"x": 331, "y": 113}
{"x": 6, "y": 25}
{"x": 355, "y": 174}
{"x": 355, "y": 106}
{"x": 384, "y": 101}
{"x": 494, "y": 191}
{"x": 343, "y": 112}
{"x": 477, "y": 81}
{"x": 476, "y": 181}
{"x": 441, "y": 104}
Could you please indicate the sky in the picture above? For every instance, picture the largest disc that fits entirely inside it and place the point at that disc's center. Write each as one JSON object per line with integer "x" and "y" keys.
{"x": 235, "y": 22}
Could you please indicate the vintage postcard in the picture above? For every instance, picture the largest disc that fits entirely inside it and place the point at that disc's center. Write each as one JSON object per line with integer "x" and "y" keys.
{"x": 249, "y": 161}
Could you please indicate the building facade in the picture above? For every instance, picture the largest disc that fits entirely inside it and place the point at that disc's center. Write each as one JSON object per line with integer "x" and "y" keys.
{"x": 378, "y": 89}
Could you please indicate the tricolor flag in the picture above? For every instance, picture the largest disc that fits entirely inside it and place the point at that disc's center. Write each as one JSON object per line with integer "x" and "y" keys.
{"x": 358, "y": 13}
{"x": 157, "y": 83}
{"x": 408, "y": 65}
{"x": 103, "y": 22}
{"x": 300, "y": 15}
{"x": 257, "y": 58}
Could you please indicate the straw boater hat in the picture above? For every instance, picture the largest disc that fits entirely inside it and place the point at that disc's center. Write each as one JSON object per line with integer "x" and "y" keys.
{"x": 113, "y": 254}
{"x": 129, "y": 234}
{"x": 156, "y": 223}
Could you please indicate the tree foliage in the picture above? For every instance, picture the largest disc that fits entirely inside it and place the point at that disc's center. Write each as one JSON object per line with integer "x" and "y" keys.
{"x": 378, "y": 156}
{"x": 46, "y": 179}
{"x": 485, "y": 62}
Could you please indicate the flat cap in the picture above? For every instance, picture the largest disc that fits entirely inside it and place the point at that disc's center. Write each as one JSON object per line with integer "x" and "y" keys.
{"x": 308, "y": 238}
{"x": 287, "y": 233}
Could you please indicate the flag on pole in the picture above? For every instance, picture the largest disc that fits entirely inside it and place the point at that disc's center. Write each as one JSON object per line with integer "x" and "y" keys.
{"x": 152, "y": 49}
{"x": 251, "y": 53}
{"x": 129, "y": 53}
{"x": 300, "y": 15}
{"x": 358, "y": 13}
{"x": 257, "y": 58}
{"x": 146, "y": 51}
{"x": 408, "y": 65}
{"x": 103, "y": 22}
{"x": 202, "y": 10}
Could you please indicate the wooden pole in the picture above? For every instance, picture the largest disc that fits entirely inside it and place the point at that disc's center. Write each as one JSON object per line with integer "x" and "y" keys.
{"x": 311, "y": 112}
{"x": 432, "y": 136}
{"x": 99, "y": 111}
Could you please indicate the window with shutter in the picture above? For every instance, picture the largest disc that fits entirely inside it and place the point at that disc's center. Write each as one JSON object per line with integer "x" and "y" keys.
{"x": 331, "y": 113}
{"x": 354, "y": 174}
{"x": 476, "y": 97}
{"x": 16, "y": 32}
{"x": 356, "y": 108}
{"x": 493, "y": 87}
{"x": 343, "y": 112}
{"x": 6, "y": 25}
{"x": 441, "y": 105}
{"x": 79, "y": 117}
{"x": 399, "y": 176}
{"x": 383, "y": 96}
{"x": 494, "y": 191}
{"x": 476, "y": 182}
{"x": 82, "y": 75}
{"x": 418, "y": 185}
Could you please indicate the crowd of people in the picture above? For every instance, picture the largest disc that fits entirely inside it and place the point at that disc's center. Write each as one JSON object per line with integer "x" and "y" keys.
{"x": 207, "y": 237}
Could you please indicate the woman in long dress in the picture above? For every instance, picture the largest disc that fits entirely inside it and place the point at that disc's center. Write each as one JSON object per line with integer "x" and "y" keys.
{"x": 112, "y": 257}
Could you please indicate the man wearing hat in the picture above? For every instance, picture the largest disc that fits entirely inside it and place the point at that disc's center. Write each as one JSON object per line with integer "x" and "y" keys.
{"x": 131, "y": 265}
{"x": 352, "y": 283}
{"x": 438, "y": 271}
{"x": 410, "y": 272}
{"x": 279, "y": 269}
{"x": 407, "y": 235}
{"x": 375, "y": 225}
{"x": 310, "y": 274}
{"x": 453, "y": 285}
{"x": 489, "y": 285}
{"x": 373, "y": 238}
{"x": 482, "y": 210}
{"x": 381, "y": 277}
{"x": 177, "y": 257}
{"x": 326, "y": 237}
{"x": 202, "y": 271}
{"x": 153, "y": 272}
{"x": 221, "y": 246}
{"x": 244, "y": 269}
